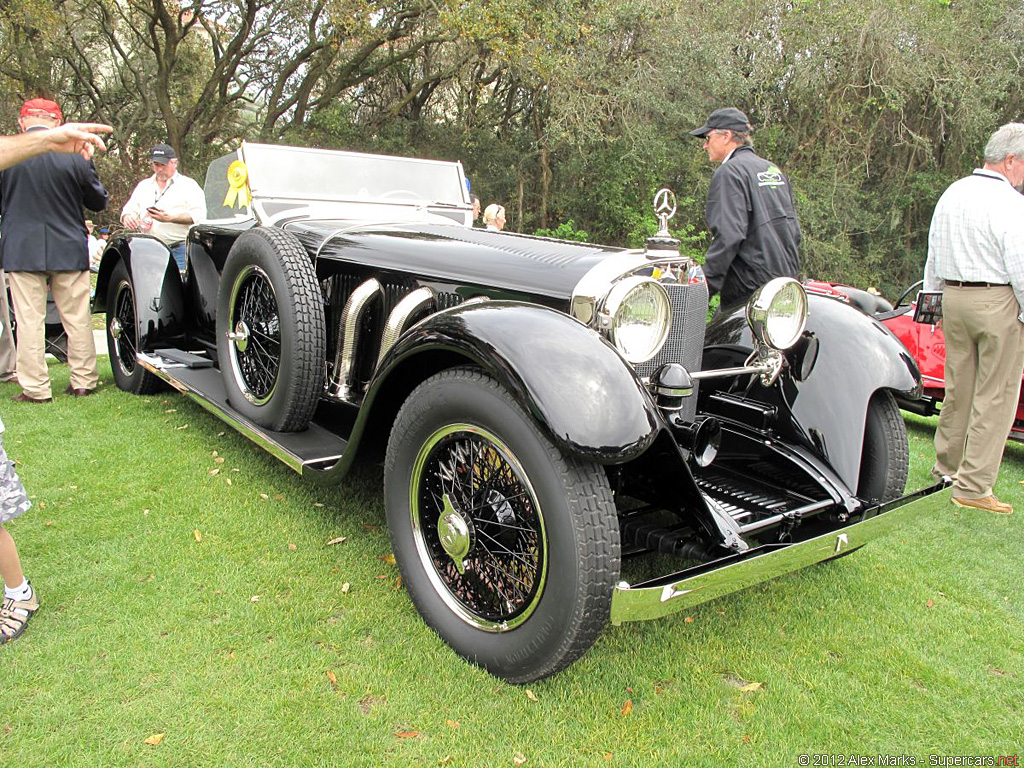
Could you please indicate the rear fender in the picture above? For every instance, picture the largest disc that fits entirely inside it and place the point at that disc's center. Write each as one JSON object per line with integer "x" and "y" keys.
{"x": 159, "y": 293}
{"x": 822, "y": 397}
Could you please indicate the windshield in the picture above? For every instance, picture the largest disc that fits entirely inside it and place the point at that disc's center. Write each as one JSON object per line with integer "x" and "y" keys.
{"x": 317, "y": 174}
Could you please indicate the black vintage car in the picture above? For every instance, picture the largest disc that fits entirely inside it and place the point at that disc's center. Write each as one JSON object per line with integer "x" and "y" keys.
{"x": 546, "y": 411}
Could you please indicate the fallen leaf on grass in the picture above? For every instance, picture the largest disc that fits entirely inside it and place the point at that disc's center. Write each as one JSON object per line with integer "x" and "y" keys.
{"x": 338, "y": 540}
{"x": 254, "y": 599}
{"x": 519, "y": 758}
{"x": 221, "y": 434}
{"x": 738, "y": 682}
{"x": 264, "y": 496}
{"x": 317, "y": 504}
{"x": 627, "y": 708}
{"x": 452, "y": 723}
{"x": 197, "y": 535}
{"x": 688, "y": 620}
{"x": 171, "y": 410}
{"x": 345, "y": 588}
{"x": 370, "y": 527}
{"x": 278, "y": 497}
{"x": 389, "y": 559}
{"x": 183, "y": 426}
{"x": 407, "y": 734}
{"x": 333, "y": 678}
{"x": 930, "y": 604}
{"x": 531, "y": 695}
{"x": 218, "y": 459}
{"x": 213, "y": 472}
{"x": 227, "y": 480}
{"x": 48, "y": 523}
{"x": 292, "y": 547}
{"x": 155, "y": 739}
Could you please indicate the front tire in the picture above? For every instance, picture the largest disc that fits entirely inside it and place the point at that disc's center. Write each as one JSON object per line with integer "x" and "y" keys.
{"x": 885, "y": 458}
{"x": 509, "y": 547}
{"x": 123, "y": 336}
{"x": 270, "y": 330}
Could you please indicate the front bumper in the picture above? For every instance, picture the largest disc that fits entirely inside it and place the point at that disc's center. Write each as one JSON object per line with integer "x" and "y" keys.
{"x": 679, "y": 591}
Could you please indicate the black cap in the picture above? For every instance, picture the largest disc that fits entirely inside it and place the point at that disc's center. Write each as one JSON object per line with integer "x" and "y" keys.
{"x": 727, "y": 119}
{"x": 162, "y": 153}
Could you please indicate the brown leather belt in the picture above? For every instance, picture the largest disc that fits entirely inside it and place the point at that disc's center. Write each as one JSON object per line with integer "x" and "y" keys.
{"x": 969, "y": 284}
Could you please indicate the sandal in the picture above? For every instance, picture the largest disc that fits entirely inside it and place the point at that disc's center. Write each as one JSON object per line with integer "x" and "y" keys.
{"x": 14, "y": 616}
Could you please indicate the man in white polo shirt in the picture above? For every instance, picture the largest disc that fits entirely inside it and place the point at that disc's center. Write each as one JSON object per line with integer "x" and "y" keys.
{"x": 976, "y": 258}
{"x": 166, "y": 204}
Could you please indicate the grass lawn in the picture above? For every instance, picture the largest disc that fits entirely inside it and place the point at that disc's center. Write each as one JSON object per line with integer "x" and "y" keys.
{"x": 188, "y": 590}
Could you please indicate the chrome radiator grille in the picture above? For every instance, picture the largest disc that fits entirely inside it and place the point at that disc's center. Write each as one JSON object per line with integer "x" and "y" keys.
{"x": 685, "y": 344}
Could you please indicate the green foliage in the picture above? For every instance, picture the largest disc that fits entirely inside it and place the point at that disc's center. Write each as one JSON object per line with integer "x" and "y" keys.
{"x": 564, "y": 231}
{"x": 559, "y": 110}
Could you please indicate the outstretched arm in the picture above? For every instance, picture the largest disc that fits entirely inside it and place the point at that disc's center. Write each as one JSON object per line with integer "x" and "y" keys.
{"x": 70, "y": 137}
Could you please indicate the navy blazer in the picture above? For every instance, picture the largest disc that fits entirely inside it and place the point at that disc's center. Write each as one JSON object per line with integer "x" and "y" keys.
{"x": 42, "y": 228}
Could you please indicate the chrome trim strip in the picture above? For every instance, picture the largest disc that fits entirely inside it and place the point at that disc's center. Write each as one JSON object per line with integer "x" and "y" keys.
{"x": 767, "y": 562}
{"x": 340, "y": 385}
{"x": 244, "y": 427}
{"x": 399, "y": 319}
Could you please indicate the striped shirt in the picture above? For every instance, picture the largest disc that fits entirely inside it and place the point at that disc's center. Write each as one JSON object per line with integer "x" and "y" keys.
{"x": 977, "y": 235}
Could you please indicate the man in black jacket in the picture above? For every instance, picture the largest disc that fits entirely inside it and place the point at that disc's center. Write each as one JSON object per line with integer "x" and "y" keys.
{"x": 44, "y": 242}
{"x": 750, "y": 212}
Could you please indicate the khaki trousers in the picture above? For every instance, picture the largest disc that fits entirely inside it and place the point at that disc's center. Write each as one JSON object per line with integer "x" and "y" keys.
{"x": 71, "y": 295}
{"x": 984, "y": 361}
{"x": 8, "y": 356}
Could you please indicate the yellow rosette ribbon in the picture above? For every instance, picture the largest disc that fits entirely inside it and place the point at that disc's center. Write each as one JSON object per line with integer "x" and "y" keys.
{"x": 238, "y": 185}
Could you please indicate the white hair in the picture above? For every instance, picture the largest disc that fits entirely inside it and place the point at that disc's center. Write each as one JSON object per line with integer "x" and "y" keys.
{"x": 1008, "y": 140}
{"x": 492, "y": 212}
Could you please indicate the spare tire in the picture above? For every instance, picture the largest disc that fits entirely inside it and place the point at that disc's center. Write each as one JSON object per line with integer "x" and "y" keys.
{"x": 270, "y": 330}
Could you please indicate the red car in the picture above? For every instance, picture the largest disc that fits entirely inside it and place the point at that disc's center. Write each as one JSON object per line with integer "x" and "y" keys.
{"x": 926, "y": 343}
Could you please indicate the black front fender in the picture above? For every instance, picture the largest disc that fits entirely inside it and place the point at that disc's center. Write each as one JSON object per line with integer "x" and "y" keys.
{"x": 578, "y": 388}
{"x": 159, "y": 293}
{"x": 845, "y": 357}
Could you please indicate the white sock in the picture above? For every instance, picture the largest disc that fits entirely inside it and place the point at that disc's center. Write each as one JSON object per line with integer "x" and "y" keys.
{"x": 21, "y": 593}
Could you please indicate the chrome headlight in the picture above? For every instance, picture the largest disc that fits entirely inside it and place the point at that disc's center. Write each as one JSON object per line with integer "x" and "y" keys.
{"x": 637, "y": 317}
{"x": 777, "y": 312}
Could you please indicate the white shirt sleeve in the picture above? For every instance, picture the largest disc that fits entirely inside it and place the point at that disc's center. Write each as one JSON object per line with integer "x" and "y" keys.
{"x": 196, "y": 201}
{"x": 135, "y": 206}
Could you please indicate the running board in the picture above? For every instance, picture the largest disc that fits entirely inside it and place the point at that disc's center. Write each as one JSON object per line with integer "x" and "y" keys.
{"x": 314, "y": 448}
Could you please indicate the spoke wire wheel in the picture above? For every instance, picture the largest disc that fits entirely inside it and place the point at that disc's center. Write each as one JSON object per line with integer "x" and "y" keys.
{"x": 271, "y": 331}
{"x": 507, "y": 545}
{"x": 256, "y": 323}
{"x": 123, "y": 329}
{"x": 478, "y": 527}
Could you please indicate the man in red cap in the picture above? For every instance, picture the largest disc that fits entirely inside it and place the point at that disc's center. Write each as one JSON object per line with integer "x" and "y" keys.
{"x": 44, "y": 246}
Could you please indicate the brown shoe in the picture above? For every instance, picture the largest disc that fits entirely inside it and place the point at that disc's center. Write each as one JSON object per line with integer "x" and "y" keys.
{"x": 987, "y": 503}
{"x": 23, "y": 398}
{"x": 78, "y": 391}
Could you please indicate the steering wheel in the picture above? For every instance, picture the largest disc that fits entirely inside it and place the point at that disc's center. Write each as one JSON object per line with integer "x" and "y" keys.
{"x": 906, "y": 293}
